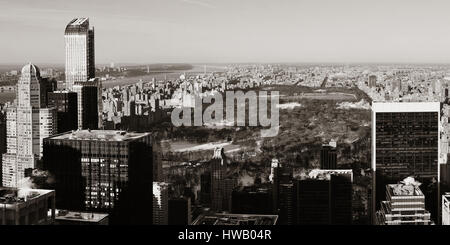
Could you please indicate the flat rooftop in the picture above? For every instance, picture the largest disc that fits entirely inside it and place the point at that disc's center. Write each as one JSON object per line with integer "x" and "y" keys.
{"x": 9, "y": 195}
{"x": 100, "y": 135}
{"x": 236, "y": 219}
{"x": 325, "y": 174}
{"x": 80, "y": 216}
{"x": 406, "y": 107}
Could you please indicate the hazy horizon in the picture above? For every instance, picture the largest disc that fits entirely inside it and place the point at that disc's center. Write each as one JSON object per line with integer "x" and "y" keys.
{"x": 232, "y": 31}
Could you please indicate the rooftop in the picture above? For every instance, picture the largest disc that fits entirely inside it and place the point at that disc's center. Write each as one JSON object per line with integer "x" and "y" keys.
{"x": 406, "y": 106}
{"x": 404, "y": 190}
{"x": 80, "y": 216}
{"x": 31, "y": 69}
{"x": 100, "y": 135}
{"x": 77, "y": 26}
{"x": 9, "y": 195}
{"x": 325, "y": 174}
{"x": 78, "y": 21}
{"x": 236, "y": 219}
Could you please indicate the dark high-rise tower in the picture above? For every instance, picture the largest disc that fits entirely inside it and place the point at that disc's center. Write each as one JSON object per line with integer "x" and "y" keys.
{"x": 180, "y": 211}
{"x": 283, "y": 193}
{"x": 405, "y": 142}
{"x": 65, "y": 103}
{"x": 88, "y": 104}
{"x": 221, "y": 185}
{"x": 102, "y": 170}
{"x": 328, "y": 157}
{"x": 256, "y": 199}
{"x": 325, "y": 198}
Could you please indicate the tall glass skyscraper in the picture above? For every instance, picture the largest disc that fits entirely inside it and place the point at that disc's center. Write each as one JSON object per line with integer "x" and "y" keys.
{"x": 80, "y": 72}
{"x": 80, "y": 55}
{"x": 405, "y": 143}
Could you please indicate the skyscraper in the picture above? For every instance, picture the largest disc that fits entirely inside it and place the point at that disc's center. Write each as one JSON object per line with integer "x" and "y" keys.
{"x": 87, "y": 103}
{"x": 160, "y": 203}
{"x": 2, "y": 138}
{"x": 80, "y": 55}
{"x": 28, "y": 123}
{"x": 283, "y": 199}
{"x": 328, "y": 156}
{"x": 65, "y": 103}
{"x": 325, "y": 197}
{"x": 103, "y": 171}
{"x": 205, "y": 188}
{"x": 404, "y": 205}
{"x": 80, "y": 72}
{"x": 218, "y": 166}
{"x": 179, "y": 211}
{"x": 256, "y": 199}
{"x": 405, "y": 142}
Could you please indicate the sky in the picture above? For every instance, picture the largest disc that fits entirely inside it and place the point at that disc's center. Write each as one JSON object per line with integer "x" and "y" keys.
{"x": 237, "y": 31}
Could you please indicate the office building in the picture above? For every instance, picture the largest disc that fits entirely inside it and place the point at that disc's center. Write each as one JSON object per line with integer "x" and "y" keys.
{"x": 283, "y": 199}
{"x": 2, "y": 139}
{"x": 80, "y": 73}
{"x": 19, "y": 206}
{"x": 220, "y": 185}
{"x": 89, "y": 103}
{"x": 160, "y": 215}
{"x": 80, "y": 53}
{"x": 324, "y": 197}
{"x": 28, "y": 123}
{"x": 328, "y": 156}
{"x": 404, "y": 205}
{"x": 256, "y": 199}
{"x": 205, "y": 188}
{"x": 179, "y": 211}
{"x": 405, "y": 142}
{"x": 103, "y": 171}
{"x": 65, "y": 103}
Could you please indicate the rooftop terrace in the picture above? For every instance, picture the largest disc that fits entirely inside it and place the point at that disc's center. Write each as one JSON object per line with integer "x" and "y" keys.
{"x": 100, "y": 135}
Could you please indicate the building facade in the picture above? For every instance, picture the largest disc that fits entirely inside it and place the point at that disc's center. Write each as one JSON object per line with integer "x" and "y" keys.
{"x": 65, "y": 103}
{"x": 26, "y": 206}
{"x": 328, "y": 157}
{"x": 160, "y": 215}
{"x": 405, "y": 142}
{"x": 80, "y": 72}
{"x": 28, "y": 123}
{"x": 404, "y": 205}
{"x": 88, "y": 105}
{"x": 325, "y": 198}
{"x": 80, "y": 53}
{"x": 179, "y": 211}
{"x": 102, "y": 171}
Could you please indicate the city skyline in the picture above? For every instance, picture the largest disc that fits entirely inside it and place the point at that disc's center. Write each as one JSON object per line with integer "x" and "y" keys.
{"x": 206, "y": 31}
{"x": 353, "y": 142}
